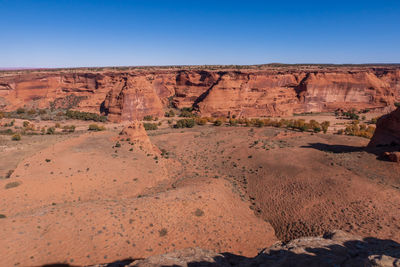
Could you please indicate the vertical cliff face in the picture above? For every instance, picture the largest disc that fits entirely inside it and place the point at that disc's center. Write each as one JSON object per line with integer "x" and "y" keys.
{"x": 133, "y": 94}
{"x": 329, "y": 91}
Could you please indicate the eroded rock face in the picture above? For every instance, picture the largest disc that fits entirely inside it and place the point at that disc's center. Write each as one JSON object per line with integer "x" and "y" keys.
{"x": 131, "y": 95}
{"x": 387, "y": 130}
{"x": 333, "y": 249}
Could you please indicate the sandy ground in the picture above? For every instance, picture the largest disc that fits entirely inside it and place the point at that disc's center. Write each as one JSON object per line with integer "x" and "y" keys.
{"x": 79, "y": 199}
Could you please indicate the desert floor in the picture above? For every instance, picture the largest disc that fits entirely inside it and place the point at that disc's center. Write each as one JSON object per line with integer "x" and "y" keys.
{"x": 80, "y": 199}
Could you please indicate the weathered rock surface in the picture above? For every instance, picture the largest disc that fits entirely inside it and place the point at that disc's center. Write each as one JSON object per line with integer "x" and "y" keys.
{"x": 387, "y": 130}
{"x": 333, "y": 249}
{"x": 132, "y": 94}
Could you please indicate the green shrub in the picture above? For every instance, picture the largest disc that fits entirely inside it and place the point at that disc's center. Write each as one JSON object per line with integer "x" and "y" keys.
{"x": 86, "y": 116}
{"x": 118, "y": 144}
{"x": 185, "y": 123}
{"x": 397, "y": 104}
{"x": 16, "y": 137}
{"x": 150, "y": 126}
{"x": 351, "y": 115}
{"x": 95, "y": 127}
{"x": 187, "y": 113}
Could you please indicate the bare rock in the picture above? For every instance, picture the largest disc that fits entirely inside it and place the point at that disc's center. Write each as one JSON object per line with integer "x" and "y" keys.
{"x": 387, "y": 130}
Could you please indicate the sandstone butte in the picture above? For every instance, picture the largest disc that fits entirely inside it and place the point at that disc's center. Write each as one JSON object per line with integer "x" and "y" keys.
{"x": 126, "y": 94}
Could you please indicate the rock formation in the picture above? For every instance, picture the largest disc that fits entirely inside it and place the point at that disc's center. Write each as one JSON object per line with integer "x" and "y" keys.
{"x": 387, "y": 130}
{"x": 134, "y": 93}
{"x": 137, "y": 136}
{"x": 333, "y": 249}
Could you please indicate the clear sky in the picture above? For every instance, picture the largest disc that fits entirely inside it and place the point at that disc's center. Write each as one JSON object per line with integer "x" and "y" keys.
{"x": 72, "y": 33}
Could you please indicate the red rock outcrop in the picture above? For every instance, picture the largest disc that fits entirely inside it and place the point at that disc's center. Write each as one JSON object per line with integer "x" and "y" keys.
{"x": 132, "y": 94}
{"x": 138, "y": 137}
{"x": 333, "y": 249}
{"x": 387, "y": 130}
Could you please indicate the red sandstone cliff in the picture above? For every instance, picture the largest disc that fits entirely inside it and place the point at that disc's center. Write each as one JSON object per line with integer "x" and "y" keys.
{"x": 132, "y": 94}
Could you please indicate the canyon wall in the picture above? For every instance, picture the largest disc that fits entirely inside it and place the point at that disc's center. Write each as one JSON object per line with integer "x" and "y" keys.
{"x": 132, "y": 94}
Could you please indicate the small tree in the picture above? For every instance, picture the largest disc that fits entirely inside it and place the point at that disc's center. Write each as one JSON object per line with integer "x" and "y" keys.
{"x": 325, "y": 126}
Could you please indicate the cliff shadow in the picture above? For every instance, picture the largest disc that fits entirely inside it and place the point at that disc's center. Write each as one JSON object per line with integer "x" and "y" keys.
{"x": 337, "y": 149}
{"x": 367, "y": 252}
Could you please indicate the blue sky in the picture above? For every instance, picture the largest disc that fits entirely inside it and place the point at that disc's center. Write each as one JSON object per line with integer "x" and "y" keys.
{"x": 61, "y": 33}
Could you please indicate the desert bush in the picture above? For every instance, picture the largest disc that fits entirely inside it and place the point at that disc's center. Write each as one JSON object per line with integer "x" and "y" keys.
{"x": 374, "y": 120}
{"x": 218, "y": 122}
{"x": 185, "y": 123}
{"x": 148, "y": 118}
{"x": 95, "y": 127}
{"x": 25, "y": 124}
{"x": 233, "y": 121}
{"x": 351, "y": 115}
{"x": 51, "y": 130}
{"x": 10, "y": 124}
{"x": 201, "y": 121}
{"x": 397, "y": 104}
{"x": 16, "y": 137}
{"x": 69, "y": 128}
{"x": 42, "y": 112}
{"x": 31, "y": 112}
{"x": 1, "y": 115}
{"x": 150, "y": 126}
{"x": 11, "y": 185}
{"x": 170, "y": 113}
{"x": 163, "y": 232}
{"x": 86, "y": 116}
{"x": 20, "y": 111}
{"x": 57, "y": 125}
{"x": 187, "y": 113}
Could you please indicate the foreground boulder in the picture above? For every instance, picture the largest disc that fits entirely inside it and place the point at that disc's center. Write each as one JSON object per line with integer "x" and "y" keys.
{"x": 337, "y": 248}
{"x": 387, "y": 130}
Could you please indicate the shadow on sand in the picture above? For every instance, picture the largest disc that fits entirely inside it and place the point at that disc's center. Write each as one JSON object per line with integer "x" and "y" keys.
{"x": 377, "y": 151}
